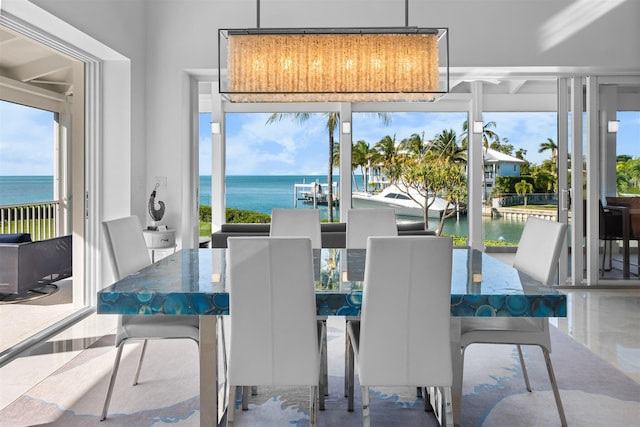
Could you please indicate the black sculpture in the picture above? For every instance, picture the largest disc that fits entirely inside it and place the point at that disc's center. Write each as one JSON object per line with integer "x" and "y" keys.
{"x": 155, "y": 214}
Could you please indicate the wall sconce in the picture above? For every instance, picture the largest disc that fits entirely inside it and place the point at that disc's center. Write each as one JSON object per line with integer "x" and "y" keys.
{"x": 613, "y": 126}
{"x": 215, "y": 128}
{"x": 346, "y": 127}
{"x": 478, "y": 127}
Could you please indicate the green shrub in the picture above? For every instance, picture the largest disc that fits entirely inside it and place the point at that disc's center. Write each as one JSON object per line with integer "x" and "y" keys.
{"x": 243, "y": 216}
{"x": 205, "y": 213}
{"x": 235, "y": 216}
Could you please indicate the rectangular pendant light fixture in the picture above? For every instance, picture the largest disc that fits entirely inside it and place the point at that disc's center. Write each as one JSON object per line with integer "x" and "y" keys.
{"x": 333, "y": 65}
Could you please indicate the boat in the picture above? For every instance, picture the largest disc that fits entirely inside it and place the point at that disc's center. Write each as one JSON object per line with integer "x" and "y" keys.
{"x": 393, "y": 197}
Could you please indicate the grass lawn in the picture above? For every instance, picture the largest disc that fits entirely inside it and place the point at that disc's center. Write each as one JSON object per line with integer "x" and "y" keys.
{"x": 205, "y": 229}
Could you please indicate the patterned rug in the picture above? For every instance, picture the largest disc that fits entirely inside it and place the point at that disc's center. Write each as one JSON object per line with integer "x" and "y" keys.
{"x": 593, "y": 392}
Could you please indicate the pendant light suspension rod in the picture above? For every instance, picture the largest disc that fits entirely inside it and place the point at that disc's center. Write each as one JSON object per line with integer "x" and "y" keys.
{"x": 406, "y": 13}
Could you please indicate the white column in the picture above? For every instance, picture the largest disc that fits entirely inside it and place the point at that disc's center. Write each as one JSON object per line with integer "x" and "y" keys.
{"x": 218, "y": 154}
{"x": 345, "y": 160}
{"x": 592, "y": 168}
{"x": 577, "y": 211}
{"x": 563, "y": 176}
{"x": 475, "y": 172}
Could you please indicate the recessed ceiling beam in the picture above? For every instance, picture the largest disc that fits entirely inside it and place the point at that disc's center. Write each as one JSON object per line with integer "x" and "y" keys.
{"x": 40, "y": 68}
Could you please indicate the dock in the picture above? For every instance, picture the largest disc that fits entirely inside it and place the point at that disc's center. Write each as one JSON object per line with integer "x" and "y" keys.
{"x": 314, "y": 193}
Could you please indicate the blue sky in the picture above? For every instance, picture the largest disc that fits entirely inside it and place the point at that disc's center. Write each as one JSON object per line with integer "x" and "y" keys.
{"x": 26, "y": 140}
{"x": 289, "y": 148}
{"x": 286, "y": 147}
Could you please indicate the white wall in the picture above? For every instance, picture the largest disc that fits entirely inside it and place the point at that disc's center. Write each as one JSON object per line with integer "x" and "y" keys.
{"x": 164, "y": 38}
{"x": 120, "y": 25}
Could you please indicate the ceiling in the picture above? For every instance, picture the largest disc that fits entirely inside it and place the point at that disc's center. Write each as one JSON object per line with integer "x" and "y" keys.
{"x": 32, "y": 63}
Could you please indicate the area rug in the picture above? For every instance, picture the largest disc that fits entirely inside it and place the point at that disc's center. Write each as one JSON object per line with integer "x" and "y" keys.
{"x": 494, "y": 394}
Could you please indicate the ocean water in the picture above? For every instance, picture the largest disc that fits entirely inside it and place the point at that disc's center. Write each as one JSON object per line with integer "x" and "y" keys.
{"x": 255, "y": 193}
{"x": 25, "y": 189}
{"x": 261, "y": 193}
{"x": 264, "y": 192}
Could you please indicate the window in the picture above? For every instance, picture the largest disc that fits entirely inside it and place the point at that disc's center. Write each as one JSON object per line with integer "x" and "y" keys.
{"x": 280, "y": 161}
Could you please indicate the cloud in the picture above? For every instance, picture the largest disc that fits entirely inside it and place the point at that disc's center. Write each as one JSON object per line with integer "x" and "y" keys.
{"x": 285, "y": 147}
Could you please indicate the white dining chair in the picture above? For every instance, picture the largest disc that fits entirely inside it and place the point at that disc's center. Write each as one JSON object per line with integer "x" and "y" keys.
{"x": 537, "y": 257}
{"x": 297, "y": 223}
{"x": 275, "y": 338}
{"x": 409, "y": 276}
{"x": 364, "y": 223}
{"x": 302, "y": 223}
{"x": 128, "y": 254}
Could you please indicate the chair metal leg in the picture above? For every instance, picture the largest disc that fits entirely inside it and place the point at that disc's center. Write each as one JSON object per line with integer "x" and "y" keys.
{"x": 366, "y": 415}
{"x": 350, "y": 380}
{"x": 313, "y": 408}
{"x": 524, "y": 368}
{"x": 325, "y": 362}
{"x": 245, "y": 397}
{"x": 445, "y": 409}
{"x": 346, "y": 365}
{"x": 112, "y": 381}
{"x": 323, "y": 380}
{"x": 611, "y": 255}
{"x": 604, "y": 256}
{"x": 457, "y": 355}
{"x": 232, "y": 405}
{"x": 554, "y": 386}
{"x": 144, "y": 348}
{"x": 428, "y": 407}
{"x": 224, "y": 358}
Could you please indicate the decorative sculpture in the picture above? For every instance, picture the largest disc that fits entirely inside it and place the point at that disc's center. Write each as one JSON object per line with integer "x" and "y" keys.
{"x": 155, "y": 214}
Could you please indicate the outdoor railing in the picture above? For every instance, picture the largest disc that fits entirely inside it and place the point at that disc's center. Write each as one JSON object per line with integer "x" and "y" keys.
{"x": 516, "y": 199}
{"x": 40, "y": 219}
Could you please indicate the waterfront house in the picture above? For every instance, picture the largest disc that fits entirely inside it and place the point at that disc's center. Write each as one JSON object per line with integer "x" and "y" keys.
{"x": 498, "y": 164}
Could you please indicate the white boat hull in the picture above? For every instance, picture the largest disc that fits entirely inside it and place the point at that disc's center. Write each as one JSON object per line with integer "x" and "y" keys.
{"x": 362, "y": 200}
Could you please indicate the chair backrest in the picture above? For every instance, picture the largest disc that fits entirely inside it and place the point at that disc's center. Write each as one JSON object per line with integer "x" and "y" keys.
{"x": 127, "y": 248}
{"x": 274, "y": 336}
{"x": 363, "y": 223}
{"x": 405, "y": 318}
{"x": 539, "y": 249}
{"x": 297, "y": 223}
{"x": 609, "y": 223}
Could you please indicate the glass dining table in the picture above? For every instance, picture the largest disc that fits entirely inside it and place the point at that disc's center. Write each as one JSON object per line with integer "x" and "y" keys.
{"x": 191, "y": 282}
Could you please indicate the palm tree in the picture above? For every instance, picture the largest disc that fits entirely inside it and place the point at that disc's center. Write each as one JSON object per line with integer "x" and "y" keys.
{"x": 333, "y": 119}
{"x": 445, "y": 145}
{"x": 550, "y": 145}
{"x": 523, "y": 188}
{"x": 415, "y": 145}
{"x": 388, "y": 149}
{"x": 360, "y": 158}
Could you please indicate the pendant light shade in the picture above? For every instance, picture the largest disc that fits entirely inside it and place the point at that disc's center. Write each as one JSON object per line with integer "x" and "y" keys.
{"x": 333, "y": 65}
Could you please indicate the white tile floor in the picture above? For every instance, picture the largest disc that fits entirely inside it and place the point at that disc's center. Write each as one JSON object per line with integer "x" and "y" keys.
{"x": 606, "y": 322}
